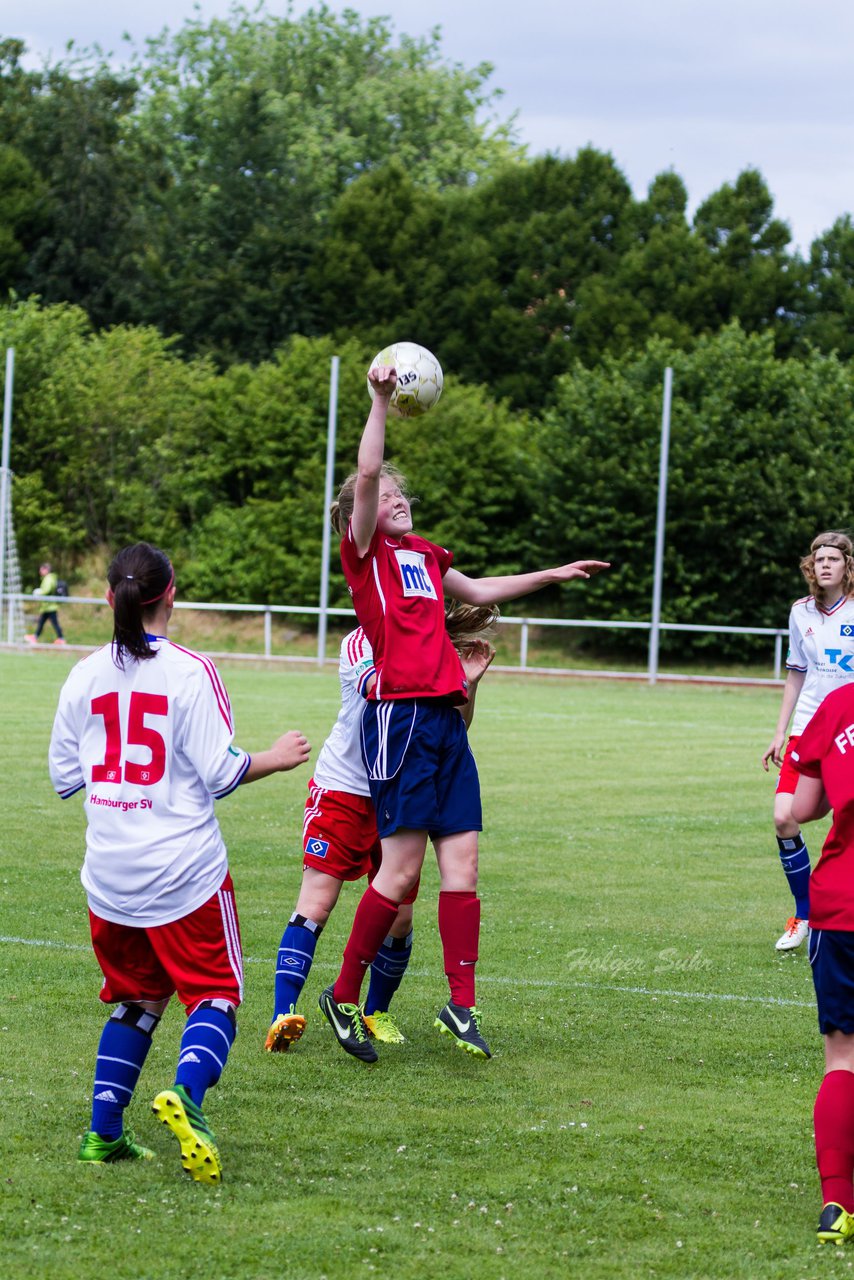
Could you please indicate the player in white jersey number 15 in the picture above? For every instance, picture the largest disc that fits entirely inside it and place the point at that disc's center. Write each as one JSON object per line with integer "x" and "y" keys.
{"x": 144, "y": 727}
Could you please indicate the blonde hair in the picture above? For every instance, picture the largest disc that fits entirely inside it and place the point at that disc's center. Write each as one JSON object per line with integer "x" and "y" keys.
{"x": 341, "y": 510}
{"x": 841, "y": 542}
{"x": 468, "y": 623}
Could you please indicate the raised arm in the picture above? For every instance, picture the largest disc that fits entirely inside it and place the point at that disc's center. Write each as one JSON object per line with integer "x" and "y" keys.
{"x": 511, "y": 586}
{"x": 371, "y": 452}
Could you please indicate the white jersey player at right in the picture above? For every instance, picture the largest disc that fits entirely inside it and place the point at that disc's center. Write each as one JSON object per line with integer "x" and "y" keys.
{"x": 820, "y": 659}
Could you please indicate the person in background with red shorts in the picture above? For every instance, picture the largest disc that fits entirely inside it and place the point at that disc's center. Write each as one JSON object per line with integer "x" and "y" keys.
{"x": 145, "y": 727}
{"x": 824, "y": 760}
{"x": 820, "y": 659}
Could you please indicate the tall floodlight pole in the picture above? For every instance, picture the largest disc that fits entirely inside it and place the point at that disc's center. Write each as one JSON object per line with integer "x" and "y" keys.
{"x": 5, "y": 478}
{"x": 659, "y": 526}
{"x": 327, "y": 503}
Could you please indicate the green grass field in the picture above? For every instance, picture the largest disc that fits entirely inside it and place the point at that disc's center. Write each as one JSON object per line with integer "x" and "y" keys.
{"x": 648, "y": 1110}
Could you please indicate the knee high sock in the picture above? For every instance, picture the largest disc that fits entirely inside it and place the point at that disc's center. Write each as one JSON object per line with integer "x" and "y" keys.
{"x": 296, "y": 953}
{"x": 796, "y": 864}
{"x": 834, "y": 1138}
{"x": 387, "y": 970}
{"x": 208, "y": 1035}
{"x": 374, "y": 917}
{"x": 123, "y": 1048}
{"x": 459, "y": 929}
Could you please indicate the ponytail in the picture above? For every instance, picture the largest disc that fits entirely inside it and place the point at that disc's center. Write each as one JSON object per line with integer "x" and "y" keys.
{"x": 139, "y": 576}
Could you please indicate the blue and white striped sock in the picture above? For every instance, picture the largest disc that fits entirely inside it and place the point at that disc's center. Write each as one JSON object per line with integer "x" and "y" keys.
{"x": 122, "y": 1050}
{"x": 293, "y": 964}
{"x": 387, "y": 972}
{"x": 208, "y": 1035}
{"x": 796, "y": 864}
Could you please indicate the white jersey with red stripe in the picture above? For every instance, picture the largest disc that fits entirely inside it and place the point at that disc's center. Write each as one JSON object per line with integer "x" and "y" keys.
{"x": 339, "y": 765}
{"x": 821, "y": 645}
{"x": 152, "y": 744}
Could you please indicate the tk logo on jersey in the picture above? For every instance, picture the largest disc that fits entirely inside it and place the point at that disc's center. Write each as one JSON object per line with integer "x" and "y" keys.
{"x": 318, "y": 848}
{"x": 413, "y": 574}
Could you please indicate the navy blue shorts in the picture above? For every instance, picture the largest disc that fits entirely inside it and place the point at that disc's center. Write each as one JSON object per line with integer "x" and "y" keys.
{"x": 831, "y": 954}
{"x": 420, "y": 768}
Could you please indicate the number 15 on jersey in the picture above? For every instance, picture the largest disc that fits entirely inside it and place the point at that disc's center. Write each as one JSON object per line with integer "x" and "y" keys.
{"x": 137, "y": 733}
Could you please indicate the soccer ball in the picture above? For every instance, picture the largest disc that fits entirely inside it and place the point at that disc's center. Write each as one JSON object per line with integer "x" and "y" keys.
{"x": 419, "y": 378}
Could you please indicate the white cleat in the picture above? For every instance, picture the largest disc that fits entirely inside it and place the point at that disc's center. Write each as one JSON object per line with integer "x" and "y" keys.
{"x": 796, "y": 931}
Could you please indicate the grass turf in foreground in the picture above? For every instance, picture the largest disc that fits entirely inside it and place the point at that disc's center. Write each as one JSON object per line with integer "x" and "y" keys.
{"x": 648, "y": 1110}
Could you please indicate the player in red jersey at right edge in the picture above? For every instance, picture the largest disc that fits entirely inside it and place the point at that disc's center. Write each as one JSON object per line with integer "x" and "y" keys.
{"x": 421, "y": 772}
{"x": 824, "y": 759}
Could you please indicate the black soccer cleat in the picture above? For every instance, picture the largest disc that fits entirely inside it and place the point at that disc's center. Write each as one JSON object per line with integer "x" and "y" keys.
{"x": 464, "y": 1025}
{"x": 349, "y": 1026}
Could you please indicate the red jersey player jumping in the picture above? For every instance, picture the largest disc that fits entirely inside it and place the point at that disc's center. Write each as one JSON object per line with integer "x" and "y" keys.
{"x": 422, "y": 774}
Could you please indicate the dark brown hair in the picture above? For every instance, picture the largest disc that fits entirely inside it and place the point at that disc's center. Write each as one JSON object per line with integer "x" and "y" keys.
{"x": 139, "y": 577}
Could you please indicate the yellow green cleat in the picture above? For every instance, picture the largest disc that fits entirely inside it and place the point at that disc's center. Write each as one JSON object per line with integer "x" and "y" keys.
{"x": 199, "y": 1157}
{"x": 97, "y": 1150}
{"x": 835, "y": 1224}
{"x": 284, "y": 1031}
{"x": 382, "y": 1026}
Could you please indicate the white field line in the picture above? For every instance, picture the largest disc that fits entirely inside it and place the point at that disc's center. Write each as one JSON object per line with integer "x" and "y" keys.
{"x": 545, "y": 983}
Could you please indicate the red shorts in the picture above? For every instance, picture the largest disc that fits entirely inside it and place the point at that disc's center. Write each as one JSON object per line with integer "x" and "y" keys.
{"x": 199, "y": 956}
{"x": 788, "y": 779}
{"x": 340, "y": 836}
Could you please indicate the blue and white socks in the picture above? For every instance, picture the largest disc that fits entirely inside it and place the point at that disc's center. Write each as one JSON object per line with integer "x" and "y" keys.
{"x": 122, "y": 1050}
{"x": 796, "y": 865}
{"x": 293, "y": 964}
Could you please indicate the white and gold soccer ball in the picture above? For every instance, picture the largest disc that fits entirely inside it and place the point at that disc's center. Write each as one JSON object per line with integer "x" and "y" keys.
{"x": 419, "y": 378}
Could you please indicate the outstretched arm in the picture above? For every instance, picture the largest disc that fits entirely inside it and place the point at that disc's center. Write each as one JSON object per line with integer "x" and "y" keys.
{"x": 371, "y": 452}
{"x": 511, "y": 586}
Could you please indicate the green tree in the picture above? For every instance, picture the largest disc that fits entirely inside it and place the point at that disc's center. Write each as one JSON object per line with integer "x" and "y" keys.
{"x": 829, "y": 321}
{"x": 753, "y": 278}
{"x": 103, "y": 428}
{"x": 760, "y": 459}
{"x": 20, "y": 212}
{"x": 67, "y": 122}
{"x": 262, "y": 122}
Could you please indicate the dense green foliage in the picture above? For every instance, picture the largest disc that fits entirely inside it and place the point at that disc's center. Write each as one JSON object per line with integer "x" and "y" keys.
{"x": 186, "y": 240}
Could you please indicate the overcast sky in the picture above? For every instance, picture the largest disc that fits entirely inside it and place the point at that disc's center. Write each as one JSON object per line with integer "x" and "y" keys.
{"x": 704, "y": 88}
